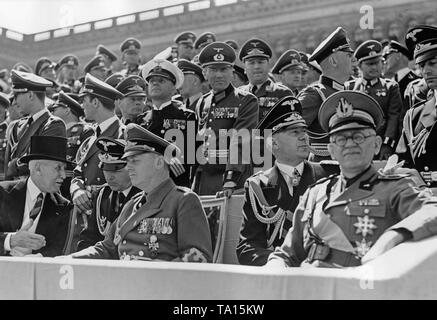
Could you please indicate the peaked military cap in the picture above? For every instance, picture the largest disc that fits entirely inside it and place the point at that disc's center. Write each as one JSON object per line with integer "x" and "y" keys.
{"x": 368, "y": 50}
{"x": 101, "y": 49}
{"x": 217, "y": 53}
{"x": 186, "y": 37}
{"x": 422, "y": 40}
{"x": 140, "y": 140}
{"x": 132, "y": 86}
{"x": 48, "y": 148}
{"x": 346, "y": 110}
{"x": 255, "y": 48}
{"x": 130, "y": 44}
{"x": 289, "y": 59}
{"x": 5, "y": 100}
{"x": 43, "y": 64}
{"x": 304, "y": 60}
{"x": 69, "y": 59}
{"x": 189, "y": 67}
{"x": 65, "y": 100}
{"x": 25, "y": 81}
{"x": 114, "y": 79}
{"x": 21, "y": 66}
{"x": 97, "y": 62}
{"x": 233, "y": 44}
{"x": 165, "y": 69}
{"x": 286, "y": 113}
{"x": 99, "y": 89}
{"x": 336, "y": 41}
{"x": 111, "y": 154}
{"x": 395, "y": 46}
{"x": 204, "y": 39}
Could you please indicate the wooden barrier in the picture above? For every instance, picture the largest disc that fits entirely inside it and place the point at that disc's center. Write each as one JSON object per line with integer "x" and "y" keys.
{"x": 405, "y": 272}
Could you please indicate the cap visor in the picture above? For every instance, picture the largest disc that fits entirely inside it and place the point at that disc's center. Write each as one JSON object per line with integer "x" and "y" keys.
{"x": 351, "y": 126}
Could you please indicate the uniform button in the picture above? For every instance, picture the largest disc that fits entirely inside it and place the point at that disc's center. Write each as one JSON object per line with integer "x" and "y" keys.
{"x": 85, "y": 165}
{"x": 210, "y": 120}
{"x": 329, "y": 215}
{"x": 141, "y": 253}
{"x": 366, "y": 211}
{"x": 426, "y": 168}
{"x": 162, "y": 131}
{"x": 124, "y": 242}
{"x": 207, "y": 143}
{"x": 98, "y": 179}
{"x": 86, "y": 179}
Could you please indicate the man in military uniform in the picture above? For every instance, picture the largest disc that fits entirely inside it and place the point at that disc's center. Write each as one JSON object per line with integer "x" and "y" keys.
{"x": 256, "y": 54}
{"x": 384, "y": 91}
{"x": 348, "y": 219}
{"x": 29, "y": 91}
{"x": 163, "y": 222}
{"x": 130, "y": 55}
{"x": 290, "y": 68}
{"x": 133, "y": 102}
{"x": 334, "y": 55}
{"x": 185, "y": 45}
{"x": 419, "y": 138}
{"x": 4, "y": 105}
{"x": 224, "y": 165}
{"x": 109, "y": 58}
{"x": 45, "y": 68}
{"x": 191, "y": 89}
{"x": 67, "y": 72}
{"x": 109, "y": 200}
{"x": 96, "y": 67}
{"x": 71, "y": 112}
{"x": 98, "y": 103}
{"x": 271, "y": 196}
{"x": 168, "y": 114}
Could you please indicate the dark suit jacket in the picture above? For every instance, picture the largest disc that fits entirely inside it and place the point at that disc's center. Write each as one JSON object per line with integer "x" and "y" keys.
{"x": 52, "y": 224}
{"x": 254, "y": 234}
{"x": 19, "y": 141}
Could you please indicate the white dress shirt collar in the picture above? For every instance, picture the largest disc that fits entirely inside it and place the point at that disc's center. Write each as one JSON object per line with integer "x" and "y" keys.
{"x": 107, "y": 123}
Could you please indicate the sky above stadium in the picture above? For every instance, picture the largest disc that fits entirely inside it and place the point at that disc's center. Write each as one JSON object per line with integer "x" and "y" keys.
{"x": 33, "y": 16}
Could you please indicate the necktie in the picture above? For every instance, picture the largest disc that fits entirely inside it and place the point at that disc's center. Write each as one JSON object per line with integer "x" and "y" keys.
{"x": 37, "y": 207}
{"x": 119, "y": 203}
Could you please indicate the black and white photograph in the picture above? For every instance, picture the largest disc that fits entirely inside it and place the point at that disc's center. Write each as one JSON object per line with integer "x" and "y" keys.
{"x": 216, "y": 156}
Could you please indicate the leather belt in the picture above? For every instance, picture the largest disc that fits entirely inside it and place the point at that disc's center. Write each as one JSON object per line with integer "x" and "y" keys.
{"x": 324, "y": 253}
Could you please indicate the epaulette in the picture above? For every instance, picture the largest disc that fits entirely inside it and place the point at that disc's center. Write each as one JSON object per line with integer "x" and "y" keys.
{"x": 330, "y": 166}
{"x": 322, "y": 180}
{"x": 242, "y": 92}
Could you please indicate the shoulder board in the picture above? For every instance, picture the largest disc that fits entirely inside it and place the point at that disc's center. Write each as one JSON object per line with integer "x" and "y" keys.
{"x": 320, "y": 181}
{"x": 183, "y": 189}
{"x": 349, "y": 83}
{"x": 281, "y": 86}
{"x": 330, "y": 166}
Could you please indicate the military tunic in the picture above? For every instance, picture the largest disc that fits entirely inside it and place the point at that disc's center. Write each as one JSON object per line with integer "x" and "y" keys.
{"x": 339, "y": 225}
{"x": 386, "y": 93}
{"x": 311, "y": 98}
{"x": 418, "y": 143}
{"x": 105, "y": 211}
{"x": 268, "y": 94}
{"x": 3, "y": 144}
{"x": 170, "y": 225}
{"x": 256, "y": 241}
{"x": 173, "y": 116}
{"x": 130, "y": 71}
{"x": 416, "y": 92}
{"x": 19, "y": 140}
{"x": 228, "y": 109}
